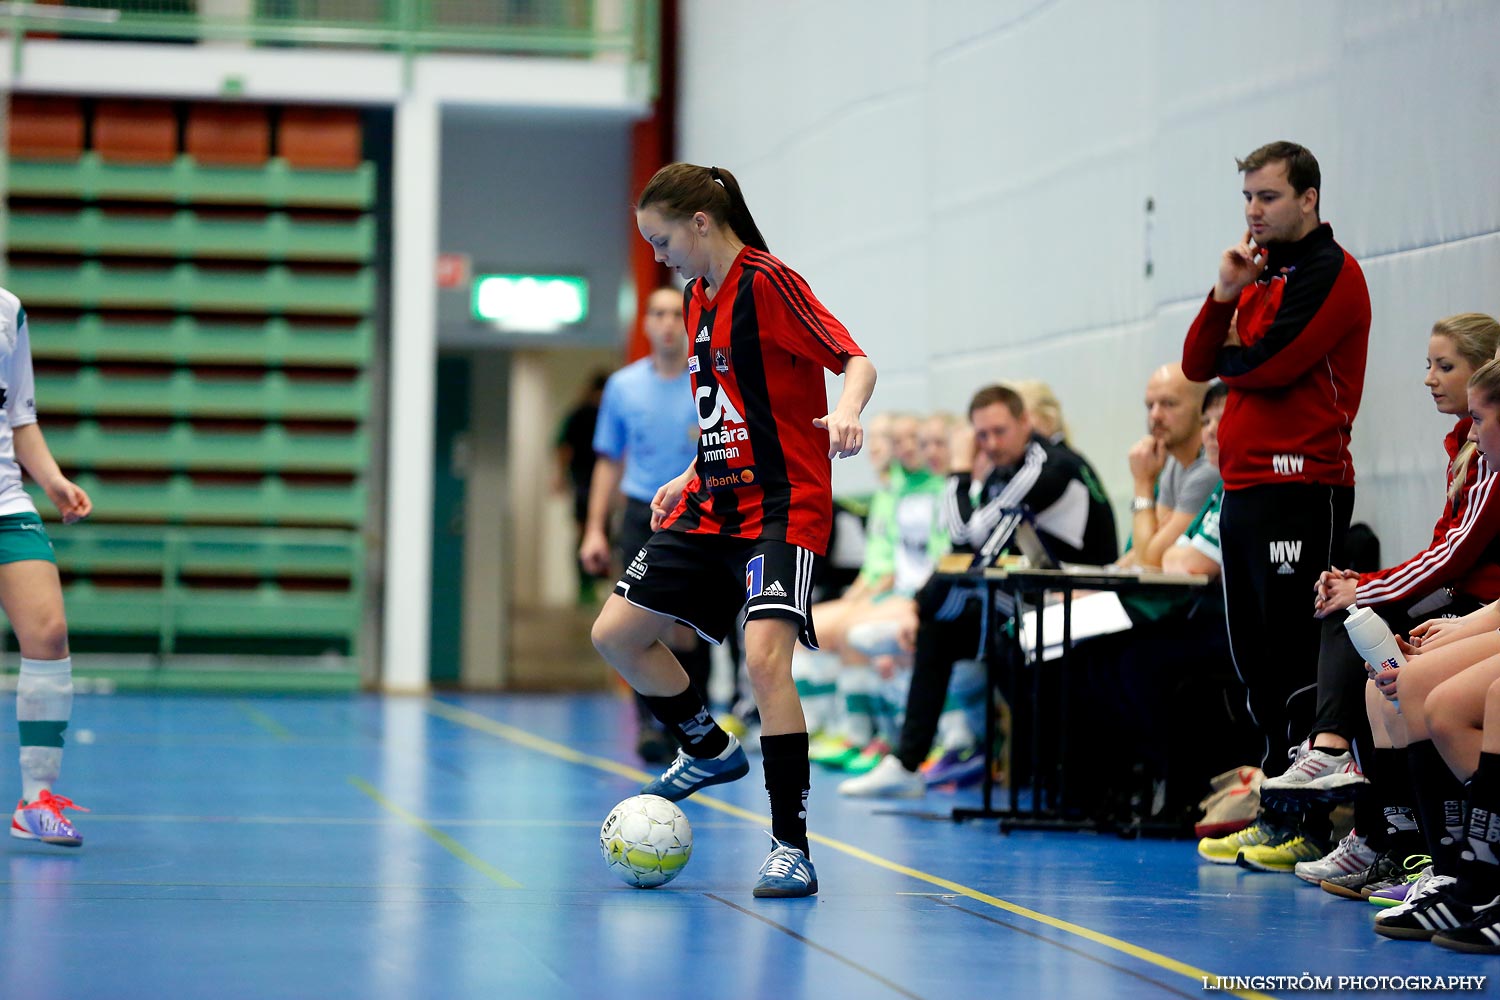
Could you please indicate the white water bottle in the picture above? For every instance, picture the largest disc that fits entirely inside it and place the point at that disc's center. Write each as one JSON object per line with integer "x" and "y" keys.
{"x": 1373, "y": 640}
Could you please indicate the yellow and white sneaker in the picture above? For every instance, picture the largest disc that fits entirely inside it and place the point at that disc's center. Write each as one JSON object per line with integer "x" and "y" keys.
{"x": 1226, "y": 850}
{"x": 1282, "y": 853}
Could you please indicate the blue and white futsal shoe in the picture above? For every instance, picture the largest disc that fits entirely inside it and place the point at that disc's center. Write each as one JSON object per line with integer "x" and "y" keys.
{"x": 787, "y": 873}
{"x": 44, "y": 820}
{"x": 688, "y": 773}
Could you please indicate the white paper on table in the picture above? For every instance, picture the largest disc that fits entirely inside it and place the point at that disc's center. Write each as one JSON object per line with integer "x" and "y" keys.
{"x": 1099, "y": 613}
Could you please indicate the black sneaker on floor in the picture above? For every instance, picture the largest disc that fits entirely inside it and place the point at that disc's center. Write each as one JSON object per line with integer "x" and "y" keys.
{"x": 1434, "y": 909}
{"x": 1480, "y": 936}
{"x": 1351, "y": 886}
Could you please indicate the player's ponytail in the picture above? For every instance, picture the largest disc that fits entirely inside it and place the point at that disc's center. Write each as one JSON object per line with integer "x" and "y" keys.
{"x": 680, "y": 189}
{"x": 739, "y": 217}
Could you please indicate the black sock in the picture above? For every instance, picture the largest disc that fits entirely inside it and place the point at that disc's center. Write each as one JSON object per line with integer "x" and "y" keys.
{"x": 788, "y": 780}
{"x": 698, "y": 662}
{"x": 1479, "y": 864}
{"x": 1276, "y": 818}
{"x": 1400, "y": 835}
{"x": 1369, "y": 817}
{"x": 1403, "y": 833}
{"x": 1439, "y": 798}
{"x": 687, "y": 718}
{"x": 1316, "y": 824}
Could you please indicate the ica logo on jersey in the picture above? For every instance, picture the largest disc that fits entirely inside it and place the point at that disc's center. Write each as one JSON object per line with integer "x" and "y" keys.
{"x": 722, "y": 424}
{"x": 720, "y": 408}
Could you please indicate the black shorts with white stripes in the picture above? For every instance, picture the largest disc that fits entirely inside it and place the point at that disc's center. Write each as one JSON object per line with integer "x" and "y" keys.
{"x": 704, "y": 580}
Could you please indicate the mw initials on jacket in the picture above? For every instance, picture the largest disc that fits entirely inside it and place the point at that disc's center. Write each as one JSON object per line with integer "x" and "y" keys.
{"x": 1287, "y": 465}
{"x": 1286, "y": 551}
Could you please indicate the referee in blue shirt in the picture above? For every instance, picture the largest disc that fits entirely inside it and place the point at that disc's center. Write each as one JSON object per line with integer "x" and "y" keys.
{"x": 646, "y": 434}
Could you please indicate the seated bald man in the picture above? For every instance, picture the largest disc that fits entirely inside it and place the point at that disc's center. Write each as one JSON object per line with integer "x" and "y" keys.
{"x": 1171, "y": 475}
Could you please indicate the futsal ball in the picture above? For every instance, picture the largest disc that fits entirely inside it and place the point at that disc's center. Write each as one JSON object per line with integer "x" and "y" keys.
{"x": 646, "y": 841}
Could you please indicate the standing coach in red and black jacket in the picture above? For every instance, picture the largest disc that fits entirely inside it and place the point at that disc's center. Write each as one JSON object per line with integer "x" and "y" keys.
{"x": 1286, "y": 327}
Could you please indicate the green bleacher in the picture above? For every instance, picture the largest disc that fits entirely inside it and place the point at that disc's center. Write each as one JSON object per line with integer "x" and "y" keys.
{"x": 185, "y": 447}
{"x": 86, "y": 391}
{"x": 276, "y": 289}
{"x": 186, "y": 182}
{"x": 275, "y": 236}
{"x": 185, "y": 341}
{"x": 203, "y": 334}
{"x": 261, "y": 607}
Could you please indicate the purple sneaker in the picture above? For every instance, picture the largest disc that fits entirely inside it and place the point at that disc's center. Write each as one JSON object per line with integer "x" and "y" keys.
{"x": 1390, "y": 895}
{"x": 959, "y": 767}
{"x": 44, "y": 820}
{"x": 1394, "y": 895}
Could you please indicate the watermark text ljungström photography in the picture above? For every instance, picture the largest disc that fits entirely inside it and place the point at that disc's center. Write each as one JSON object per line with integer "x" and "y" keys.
{"x": 1339, "y": 984}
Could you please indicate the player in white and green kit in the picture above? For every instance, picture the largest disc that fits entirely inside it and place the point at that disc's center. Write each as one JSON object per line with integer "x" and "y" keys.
{"x": 30, "y": 591}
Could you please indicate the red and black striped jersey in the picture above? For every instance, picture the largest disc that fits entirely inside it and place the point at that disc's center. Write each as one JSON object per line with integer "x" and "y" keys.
{"x": 760, "y": 346}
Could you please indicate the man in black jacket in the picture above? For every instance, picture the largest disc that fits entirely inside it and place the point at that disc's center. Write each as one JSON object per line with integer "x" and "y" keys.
{"x": 1071, "y": 514}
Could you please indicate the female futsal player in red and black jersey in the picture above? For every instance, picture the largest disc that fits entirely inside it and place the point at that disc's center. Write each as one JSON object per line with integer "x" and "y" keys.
{"x": 744, "y": 525}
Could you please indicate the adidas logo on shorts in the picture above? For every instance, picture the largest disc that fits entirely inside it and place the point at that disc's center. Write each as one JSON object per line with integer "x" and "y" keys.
{"x": 775, "y": 589}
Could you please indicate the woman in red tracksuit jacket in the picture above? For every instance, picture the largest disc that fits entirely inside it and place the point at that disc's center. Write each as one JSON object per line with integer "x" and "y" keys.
{"x": 1457, "y": 573}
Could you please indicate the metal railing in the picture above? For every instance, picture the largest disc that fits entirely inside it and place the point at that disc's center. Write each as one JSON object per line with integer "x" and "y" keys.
{"x": 582, "y": 28}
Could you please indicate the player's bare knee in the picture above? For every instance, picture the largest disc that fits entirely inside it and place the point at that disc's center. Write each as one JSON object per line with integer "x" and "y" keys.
{"x": 1442, "y": 711}
{"x": 46, "y": 639}
{"x": 606, "y": 637}
{"x": 756, "y": 668}
{"x": 1416, "y": 686}
{"x": 767, "y": 671}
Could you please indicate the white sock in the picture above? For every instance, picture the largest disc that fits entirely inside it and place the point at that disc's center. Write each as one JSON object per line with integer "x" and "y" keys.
{"x": 44, "y": 704}
{"x": 893, "y": 692}
{"x": 954, "y": 732}
{"x": 859, "y": 688}
{"x": 816, "y": 675}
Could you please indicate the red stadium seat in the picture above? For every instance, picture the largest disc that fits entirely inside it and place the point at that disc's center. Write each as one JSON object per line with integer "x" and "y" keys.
{"x": 228, "y": 134}
{"x": 135, "y": 131}
{"x": 320, "y": 138}
{"x": 45, "y": 128}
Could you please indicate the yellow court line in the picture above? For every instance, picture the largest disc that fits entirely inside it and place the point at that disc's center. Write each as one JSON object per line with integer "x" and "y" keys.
{"x": 264, "y": 721}
{"x": 483, "y": 723}
{"x": 474, "y": 720}
{"x": 446, "y": 842}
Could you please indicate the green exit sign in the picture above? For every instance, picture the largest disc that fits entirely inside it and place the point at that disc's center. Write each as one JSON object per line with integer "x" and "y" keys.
{"x": 530, "y": 303}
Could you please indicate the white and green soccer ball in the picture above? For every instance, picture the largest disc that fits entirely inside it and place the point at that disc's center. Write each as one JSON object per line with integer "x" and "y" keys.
{"x": 646, "y": 841}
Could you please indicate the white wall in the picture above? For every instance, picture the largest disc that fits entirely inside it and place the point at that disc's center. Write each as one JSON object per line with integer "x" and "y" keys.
{"x": 964, "y": 183}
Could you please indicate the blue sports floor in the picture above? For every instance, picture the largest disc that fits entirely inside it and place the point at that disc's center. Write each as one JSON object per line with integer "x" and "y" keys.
{"x": 403, "y": 848}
